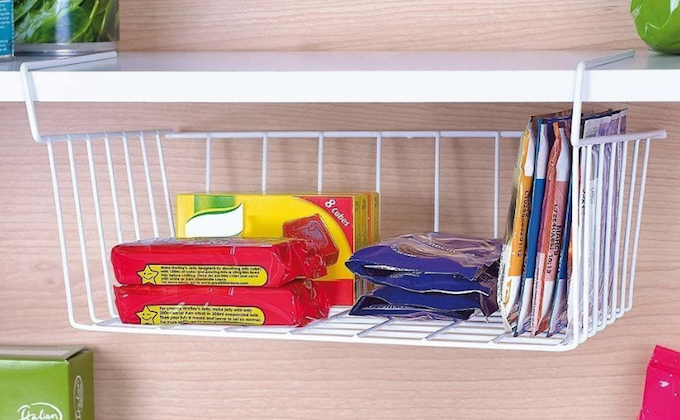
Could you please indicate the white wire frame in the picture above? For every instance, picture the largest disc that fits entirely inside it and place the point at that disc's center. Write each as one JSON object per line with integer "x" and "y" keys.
{"x": 478, "y": 332}
{"x": 377, "y": 137}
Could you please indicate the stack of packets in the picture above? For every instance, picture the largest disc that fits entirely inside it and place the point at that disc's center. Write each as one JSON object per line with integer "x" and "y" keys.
{"x": 428, "y": 276}
{"x": 343, "y": 222}
{"x": 230, "y": 281}
{"x": 225, "y": 268}
{"x": 536, "y": 262}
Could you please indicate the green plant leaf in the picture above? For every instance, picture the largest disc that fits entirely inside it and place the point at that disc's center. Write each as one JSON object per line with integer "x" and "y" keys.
{"x": 67, "y": 4}
{"x": 109, "y": 27}
{"x": 658, "y": 23}
{"x": 66, "y": 21}
{"x": 48, "y": 26}
{"x": 99, "y": 16}
{"x": 22, "y": 7}
{"x": 89, "y": 33}
{"x": 37, "y": 26}
{"x": 71, "y": 25}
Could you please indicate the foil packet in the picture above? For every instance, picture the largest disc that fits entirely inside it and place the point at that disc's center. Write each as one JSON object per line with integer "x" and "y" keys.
{"x": 424, "y": 271}
{"x": 428, "y": 253}
{"x": 544, "y": 143}
{"x": 393, "y": 302}
{"x": 553, "y": 216}
{"x": 558, "y": 312}
{"x": 428, "y": 283}
{"x": 514, "y": 246}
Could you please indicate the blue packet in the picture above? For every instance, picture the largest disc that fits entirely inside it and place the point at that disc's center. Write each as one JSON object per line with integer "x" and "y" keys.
{"x": 428, "y": 283}
{"x": 483, "y": 289}
{"x": 432, "y": 267}
{"x": 427, "y": 253}
{"x": 393, "y": 302}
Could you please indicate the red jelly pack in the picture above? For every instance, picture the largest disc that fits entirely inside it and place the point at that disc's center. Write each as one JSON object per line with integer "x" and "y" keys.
{"x": 294, "y": 304}
{"x": 217, "y": 262}
{"x": 662, "y": 385}
{"x": 314, "y": 230}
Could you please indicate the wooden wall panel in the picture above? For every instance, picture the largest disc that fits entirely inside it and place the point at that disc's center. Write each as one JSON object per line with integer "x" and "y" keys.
{"x": 141, "y": 376}
{"x": 246, "y": 25}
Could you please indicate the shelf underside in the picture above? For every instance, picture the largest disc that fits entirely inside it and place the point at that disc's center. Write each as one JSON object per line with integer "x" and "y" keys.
{"x": 348, "y": 77}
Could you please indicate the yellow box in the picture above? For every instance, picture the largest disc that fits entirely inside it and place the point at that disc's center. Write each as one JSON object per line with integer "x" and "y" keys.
{"x": 346, "y": 215}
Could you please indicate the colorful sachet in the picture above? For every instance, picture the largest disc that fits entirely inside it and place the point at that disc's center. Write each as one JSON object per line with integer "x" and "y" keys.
{"x": 541, "y": 304}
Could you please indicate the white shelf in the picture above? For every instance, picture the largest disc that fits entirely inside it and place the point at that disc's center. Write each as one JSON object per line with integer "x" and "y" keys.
{"x": 545, "y": 76}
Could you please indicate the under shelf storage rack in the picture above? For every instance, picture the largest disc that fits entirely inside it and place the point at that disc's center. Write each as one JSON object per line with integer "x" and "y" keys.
{"x": 478, "y": 332}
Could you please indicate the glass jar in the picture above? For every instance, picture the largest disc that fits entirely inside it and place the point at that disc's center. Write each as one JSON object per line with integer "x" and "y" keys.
{"x": 65, "y": 27}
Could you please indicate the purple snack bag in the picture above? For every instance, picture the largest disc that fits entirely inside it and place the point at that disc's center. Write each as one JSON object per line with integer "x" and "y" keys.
{"x": 392, "y": 302}
{"x": 428, "y": 253}
{"x": 433, "y": 266}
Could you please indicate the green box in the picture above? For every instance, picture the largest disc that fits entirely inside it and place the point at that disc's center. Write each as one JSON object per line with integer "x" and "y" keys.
{"x": 46, "y": 383}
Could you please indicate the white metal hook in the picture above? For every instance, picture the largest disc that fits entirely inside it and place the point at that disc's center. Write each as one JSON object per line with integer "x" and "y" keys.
{"x": 579, "y": 84}
{"x": 30, "y": 95}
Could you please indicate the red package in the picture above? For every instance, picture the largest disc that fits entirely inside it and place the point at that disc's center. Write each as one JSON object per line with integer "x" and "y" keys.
{"x": 661, "y": 401}
{"x": 313, "y": 229}
{"x": 295, "y": 304}
{"x": 216, "y": 262}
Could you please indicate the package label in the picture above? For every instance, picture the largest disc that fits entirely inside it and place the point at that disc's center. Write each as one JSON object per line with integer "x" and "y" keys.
{"x": 189, "y": 314}
{"x": 6, "y": 28}
{"x": 46, "y": 383}
{"x": 204, "y": 275}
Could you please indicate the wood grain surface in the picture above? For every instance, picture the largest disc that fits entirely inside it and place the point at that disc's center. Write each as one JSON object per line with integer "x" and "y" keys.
{"x": 247, "y": 25}
{"x": 148, "y": 377}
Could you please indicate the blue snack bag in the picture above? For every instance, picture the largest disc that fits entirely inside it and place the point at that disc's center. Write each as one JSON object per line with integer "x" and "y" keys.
{"x": 484, "y": 288}
{"x": 393, "y": 302}
{"x": 429, "y": 283}
{"x": 427, "y": 253}
{"x": 430, "y": 268}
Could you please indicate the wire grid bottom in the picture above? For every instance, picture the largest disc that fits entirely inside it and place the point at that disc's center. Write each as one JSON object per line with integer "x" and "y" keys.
{"x": 477, "y": 332}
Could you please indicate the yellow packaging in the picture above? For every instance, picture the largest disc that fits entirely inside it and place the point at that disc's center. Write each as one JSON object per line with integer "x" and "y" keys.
{"x": 373, "y": 217}
{"x": 514, "y": 247}
{"x": 345, "y": 215}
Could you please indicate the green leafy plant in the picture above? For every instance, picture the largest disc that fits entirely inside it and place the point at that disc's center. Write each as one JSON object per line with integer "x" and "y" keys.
{"x": 658, "y": 23}
{"x": 65, "y": 21}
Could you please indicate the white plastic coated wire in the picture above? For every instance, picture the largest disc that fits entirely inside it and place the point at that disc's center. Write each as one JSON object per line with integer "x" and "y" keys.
{"x": 477, "y": 332}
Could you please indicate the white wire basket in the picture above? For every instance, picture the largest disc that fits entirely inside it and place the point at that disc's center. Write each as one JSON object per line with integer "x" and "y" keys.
{"x": 106, "y": 217}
